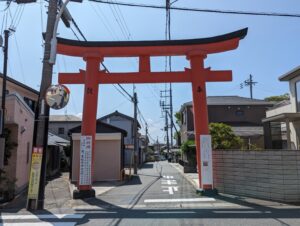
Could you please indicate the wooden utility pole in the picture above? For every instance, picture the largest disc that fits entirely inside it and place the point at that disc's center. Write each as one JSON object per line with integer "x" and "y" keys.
{"x": 42, "y": 110}
{"x": 5, "y": 50}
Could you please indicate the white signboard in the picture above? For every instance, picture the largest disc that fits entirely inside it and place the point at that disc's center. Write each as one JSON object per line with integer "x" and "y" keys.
{"x": 206, "y": 159}
{"x": 85, "y": 160}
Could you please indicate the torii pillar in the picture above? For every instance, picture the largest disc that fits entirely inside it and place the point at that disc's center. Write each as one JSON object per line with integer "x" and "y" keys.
{"x": 195, "y": 50}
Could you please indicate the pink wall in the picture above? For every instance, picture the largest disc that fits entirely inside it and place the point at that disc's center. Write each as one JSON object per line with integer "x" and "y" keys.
{"x": 19, "y": 115}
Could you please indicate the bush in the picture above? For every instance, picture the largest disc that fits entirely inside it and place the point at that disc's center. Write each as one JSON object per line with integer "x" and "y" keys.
{"x": 223, "y": 137}
{"x": 189, "y": 149}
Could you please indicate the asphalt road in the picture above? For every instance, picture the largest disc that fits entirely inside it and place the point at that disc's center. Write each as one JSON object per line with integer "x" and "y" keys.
{"x": 160, "y": 195}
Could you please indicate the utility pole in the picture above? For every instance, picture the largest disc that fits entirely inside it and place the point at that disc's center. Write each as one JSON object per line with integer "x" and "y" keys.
{"x": 2, "y": 136}
{"x": 178, "y": 134}
{"x": 171, "y": 114}
{"x": 135, "y": 133}
{"x": 147, "y": 140}
{"x": 42, "y": 110}
{"x": 249, "y": 82}
{"x": 167, "y": 132}
{"x": 5, "y": 50}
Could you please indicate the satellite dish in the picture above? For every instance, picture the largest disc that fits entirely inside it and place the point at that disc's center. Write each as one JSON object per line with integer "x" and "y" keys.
{"x": 57, "y": 96}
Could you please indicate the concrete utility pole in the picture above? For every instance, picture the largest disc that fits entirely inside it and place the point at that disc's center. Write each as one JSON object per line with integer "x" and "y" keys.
{"x": 167, "y": 132}
{"x": 42, "y": 110}
{"x": 171, "y": 114}
{"x": 135, "y": 133}
{"x": 249, "y": 82}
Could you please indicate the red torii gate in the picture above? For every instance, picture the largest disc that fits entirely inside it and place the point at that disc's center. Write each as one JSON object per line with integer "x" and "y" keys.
{"x": 94, "y": 53}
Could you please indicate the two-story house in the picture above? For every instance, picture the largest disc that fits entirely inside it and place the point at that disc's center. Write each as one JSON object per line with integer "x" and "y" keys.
{"x": 19, "y": 120}
{"x": 282, "y": 122}
{"x": 60, "y": 125}
{"x": 124, "y": 122}
{"x": 243, "y": 114}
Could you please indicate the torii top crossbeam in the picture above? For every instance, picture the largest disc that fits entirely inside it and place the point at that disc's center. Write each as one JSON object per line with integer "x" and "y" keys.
{"x": 152, "y": 48}
{"x": 145, "y": 49}
{"x": 195, "y": 50}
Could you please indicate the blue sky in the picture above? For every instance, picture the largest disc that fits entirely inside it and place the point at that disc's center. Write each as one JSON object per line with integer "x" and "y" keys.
{"x": 271, "y": 48}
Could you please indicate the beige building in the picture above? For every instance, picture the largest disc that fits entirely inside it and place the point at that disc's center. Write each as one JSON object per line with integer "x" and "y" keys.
{"x": 282, "y": 122}
{"x": 109, "y": 153}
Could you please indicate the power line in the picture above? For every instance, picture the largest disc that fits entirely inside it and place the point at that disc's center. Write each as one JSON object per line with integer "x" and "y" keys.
{"x": 247, "y": 13}
{"x": 106, "y": 69}
{"x": 78, "y": 29}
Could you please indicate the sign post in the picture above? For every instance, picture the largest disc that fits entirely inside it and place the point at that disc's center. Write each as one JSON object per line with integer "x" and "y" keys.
{"x": 206, "y": 160}
{"x": 34, "y": 180}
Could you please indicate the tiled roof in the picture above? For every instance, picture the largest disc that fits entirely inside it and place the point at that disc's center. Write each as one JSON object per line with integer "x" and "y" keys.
{"x": 64, "y": 118}
{"x": 116, "y": 113}
{"x": 232, "y": 100}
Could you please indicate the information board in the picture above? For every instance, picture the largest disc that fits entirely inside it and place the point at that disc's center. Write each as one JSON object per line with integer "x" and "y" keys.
{"x": 35, "y": 172}
{"x": 85, "y": 160}
{"x": 206, "y": 159}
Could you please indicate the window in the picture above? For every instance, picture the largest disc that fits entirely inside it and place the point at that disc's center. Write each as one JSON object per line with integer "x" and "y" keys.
{"x": 61, "y": 130}
{"x": 239, "y": 113}
{"x": 30, "y": 103}
{"x": 298, "y": 96}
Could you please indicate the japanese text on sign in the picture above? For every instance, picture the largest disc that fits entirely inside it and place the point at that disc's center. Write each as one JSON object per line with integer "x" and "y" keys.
{"x": 35, "y": 172}
{"x": 85, "y": 160}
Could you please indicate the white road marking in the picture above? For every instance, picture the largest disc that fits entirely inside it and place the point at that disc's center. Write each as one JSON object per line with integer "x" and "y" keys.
{"x": 167, "y": 212}
{"x": 170, "y": 189}
{"x": 237, "y": 211}
{"x": 168, "y": 177}
{"x": 40, "y": 224}
{"x": 169, "y": 182}
{"x": 41, "y": 216}
{"x": 179, "y": 200}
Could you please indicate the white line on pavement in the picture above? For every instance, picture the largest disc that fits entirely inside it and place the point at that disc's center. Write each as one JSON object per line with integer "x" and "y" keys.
{"x": 40, "y": 224}
{"x": 167, "y": 212}
{"x": 41, "y": 216}
{"x": 179, "y": 200}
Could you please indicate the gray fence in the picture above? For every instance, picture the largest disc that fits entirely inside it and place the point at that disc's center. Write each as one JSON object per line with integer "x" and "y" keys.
{"x": 268, "y": 174}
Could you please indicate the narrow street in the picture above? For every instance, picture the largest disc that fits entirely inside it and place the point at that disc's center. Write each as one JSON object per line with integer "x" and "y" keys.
{"x": 159, "y": 195}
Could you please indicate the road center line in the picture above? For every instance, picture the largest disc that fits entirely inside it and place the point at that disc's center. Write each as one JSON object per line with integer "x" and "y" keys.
{"x": 179, "y": 200}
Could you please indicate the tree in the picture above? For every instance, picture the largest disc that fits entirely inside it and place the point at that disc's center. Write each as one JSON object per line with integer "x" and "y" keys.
{"x": 178, "y": 117}
{"x": 223, "y": 137}
{"x": 279, "y": 98}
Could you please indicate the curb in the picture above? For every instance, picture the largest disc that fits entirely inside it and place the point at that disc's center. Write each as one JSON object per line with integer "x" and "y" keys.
{"x": 190, "y": 180}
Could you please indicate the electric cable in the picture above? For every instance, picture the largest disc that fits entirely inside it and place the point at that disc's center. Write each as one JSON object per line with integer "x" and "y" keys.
{"x": 247, "y": 13}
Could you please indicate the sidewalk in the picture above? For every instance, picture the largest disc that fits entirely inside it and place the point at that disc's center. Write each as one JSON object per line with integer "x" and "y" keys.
{"x": 191, "y": 177}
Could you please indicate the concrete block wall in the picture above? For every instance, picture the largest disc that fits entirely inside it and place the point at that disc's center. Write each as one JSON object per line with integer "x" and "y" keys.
{"x": 268, "y": 174}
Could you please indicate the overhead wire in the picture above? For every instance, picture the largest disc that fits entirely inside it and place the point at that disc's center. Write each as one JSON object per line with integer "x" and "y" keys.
{"x": 108, "y": 28}
{"x": 248, "y": 13}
